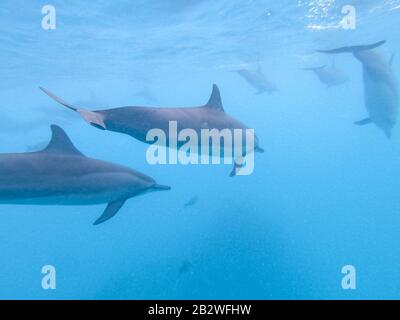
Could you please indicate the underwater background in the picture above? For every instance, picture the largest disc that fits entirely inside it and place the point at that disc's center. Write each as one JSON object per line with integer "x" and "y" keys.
{"x": 325, "y": 193}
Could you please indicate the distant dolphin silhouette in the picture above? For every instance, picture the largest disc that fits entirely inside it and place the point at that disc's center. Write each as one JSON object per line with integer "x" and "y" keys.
{"x": 380, "y": 87}
{"x": 137, "y": 121}
{"x": 258, "y": 80}
{"x": 185, "y": 268}
{"x": 192, "y": 201}
{"x": 330, "y": 76}
{"x": 62, "y": 175}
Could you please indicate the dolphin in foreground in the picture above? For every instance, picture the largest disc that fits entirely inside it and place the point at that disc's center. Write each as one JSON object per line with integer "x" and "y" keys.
{"x": 380, "y": 87}
{"x": 138, "y": 121}
{"x": 61, "y": 175}
{"x": 258, "y": 80}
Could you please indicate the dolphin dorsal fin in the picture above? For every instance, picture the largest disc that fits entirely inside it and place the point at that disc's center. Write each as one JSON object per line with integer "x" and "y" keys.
{"x": 215, "y": 100}
{"x": 60, "y": 143}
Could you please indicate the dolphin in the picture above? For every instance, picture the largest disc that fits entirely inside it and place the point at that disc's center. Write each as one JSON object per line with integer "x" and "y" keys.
{"x": 258, "y": 80}
{"x": 61, "y": 175}
{"x": 380, "y": 87}
{"x": 192, "y": 201}
{"x": 329, "y": 76}
{"x": 185, "y": 267}
{"x": 138, "y": 121}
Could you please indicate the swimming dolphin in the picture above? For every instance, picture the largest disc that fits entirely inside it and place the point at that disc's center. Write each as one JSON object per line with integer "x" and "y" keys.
{"x": 258, "y": 80}
{"x": 380, "y": 87}
{"x": 138, "y": 121}
{"x": 192, "y": 201}
{"x": 330, "y": 76}
{"x": 185, "y": 267}
{"x": 61, "y": 175}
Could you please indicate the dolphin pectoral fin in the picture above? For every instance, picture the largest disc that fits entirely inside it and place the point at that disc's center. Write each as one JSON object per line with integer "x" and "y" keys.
{"x": 363, "y": 122}
{"x": 233, "y": 172}
{"x": 110, "y": 211}
{"x": 236, "y": 167}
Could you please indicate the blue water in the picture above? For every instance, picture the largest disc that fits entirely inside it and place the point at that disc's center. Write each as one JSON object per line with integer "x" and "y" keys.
{"x": 324, "y": 194}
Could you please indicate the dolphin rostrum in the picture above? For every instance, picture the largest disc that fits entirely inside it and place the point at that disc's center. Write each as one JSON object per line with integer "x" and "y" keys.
{"x": 258, "y": 80}
{"x": 61, "y": 175}
{"x": 138, "y": 121}
{"x": 380, "y": 87}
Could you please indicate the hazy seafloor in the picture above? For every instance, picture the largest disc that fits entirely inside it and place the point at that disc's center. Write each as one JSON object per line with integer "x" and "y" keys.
{"x": 325, "y": 193}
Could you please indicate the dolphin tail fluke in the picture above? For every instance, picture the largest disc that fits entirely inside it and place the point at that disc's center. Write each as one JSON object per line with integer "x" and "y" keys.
{"x": 59, "y": 100}
{"x": 353, "y": 49}
{"x": 96, "y": 119}
{"x": 111, "y": 211}
{"x": 93, "y": 118}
